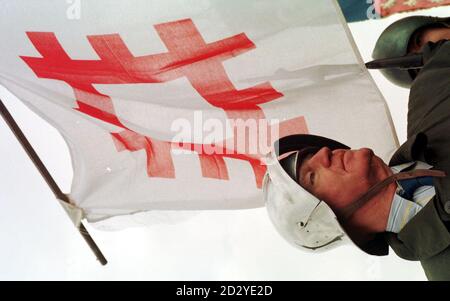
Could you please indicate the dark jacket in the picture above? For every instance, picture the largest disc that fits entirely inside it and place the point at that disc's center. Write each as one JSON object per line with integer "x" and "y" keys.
{"x": 427, "y": 236}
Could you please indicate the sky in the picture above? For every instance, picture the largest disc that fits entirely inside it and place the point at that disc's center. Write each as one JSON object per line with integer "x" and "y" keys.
{"x": 38, "y": 241}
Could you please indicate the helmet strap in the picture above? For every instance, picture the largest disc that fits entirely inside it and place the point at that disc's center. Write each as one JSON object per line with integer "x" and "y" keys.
{"x": 348, "y": 211}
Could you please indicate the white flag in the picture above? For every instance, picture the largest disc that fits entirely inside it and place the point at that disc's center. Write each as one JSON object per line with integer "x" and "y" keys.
{"x": 171, "y": 105}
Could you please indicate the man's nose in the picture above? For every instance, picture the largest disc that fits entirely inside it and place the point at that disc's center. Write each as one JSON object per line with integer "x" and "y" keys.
{"x": 321, "y": 158}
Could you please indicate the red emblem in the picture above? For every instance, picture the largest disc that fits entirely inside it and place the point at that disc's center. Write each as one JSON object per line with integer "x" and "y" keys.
{"x": 188, "y": 56}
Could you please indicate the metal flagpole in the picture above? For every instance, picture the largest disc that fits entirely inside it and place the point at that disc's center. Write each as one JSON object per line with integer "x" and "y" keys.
{"x": 47, "y": 177}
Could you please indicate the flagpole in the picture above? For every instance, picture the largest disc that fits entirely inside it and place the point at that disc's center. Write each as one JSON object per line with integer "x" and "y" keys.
{"x": 47, "y": 177}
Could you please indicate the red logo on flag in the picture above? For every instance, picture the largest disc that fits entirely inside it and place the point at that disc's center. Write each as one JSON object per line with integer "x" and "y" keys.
{"x": 188, "y": 56}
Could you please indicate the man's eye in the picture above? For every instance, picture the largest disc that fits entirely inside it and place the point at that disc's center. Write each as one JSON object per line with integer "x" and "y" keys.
{"x": 311, "y": 178}
{"x": 418, "y": 40}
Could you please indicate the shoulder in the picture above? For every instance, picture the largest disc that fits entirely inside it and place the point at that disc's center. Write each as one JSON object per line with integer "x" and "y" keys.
{"x": 429, "y": 100}
{"x": 424, "y": 237}
{"x": 437, "y": 268}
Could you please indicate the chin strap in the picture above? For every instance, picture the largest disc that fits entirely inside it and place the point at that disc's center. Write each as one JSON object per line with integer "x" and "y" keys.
{"x": 348, "y": 211}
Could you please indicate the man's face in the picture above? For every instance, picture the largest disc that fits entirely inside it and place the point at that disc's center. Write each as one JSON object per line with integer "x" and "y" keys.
{"x": 421, "y": 37}
{"x": 340, "y": 177}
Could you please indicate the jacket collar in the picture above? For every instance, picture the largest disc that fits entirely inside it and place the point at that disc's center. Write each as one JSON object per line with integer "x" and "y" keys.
{"x": 411, "y": 150}
{"x": 416, "y": 240}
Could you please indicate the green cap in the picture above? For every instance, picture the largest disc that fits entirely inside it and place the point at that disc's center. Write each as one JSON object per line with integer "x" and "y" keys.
{"x": 394, "y": 40}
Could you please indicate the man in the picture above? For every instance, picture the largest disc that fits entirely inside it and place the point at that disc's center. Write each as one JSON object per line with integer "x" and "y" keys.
{"x": 352, "y": 194}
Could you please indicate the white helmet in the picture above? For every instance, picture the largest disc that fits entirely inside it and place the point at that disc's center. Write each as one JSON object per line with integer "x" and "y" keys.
{"x": 301, "y": 218}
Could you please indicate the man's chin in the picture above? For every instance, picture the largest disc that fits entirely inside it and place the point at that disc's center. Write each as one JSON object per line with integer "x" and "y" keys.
{"x": 363, "y": 159}
{"x": 379, "y": 169}
{"x": 367, "y": 152}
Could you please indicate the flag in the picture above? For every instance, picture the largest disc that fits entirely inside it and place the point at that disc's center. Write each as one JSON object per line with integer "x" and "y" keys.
{"x": 389, "y": 7}
{"x": 173, "y": 105}
{"x": 360, "y": 10}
